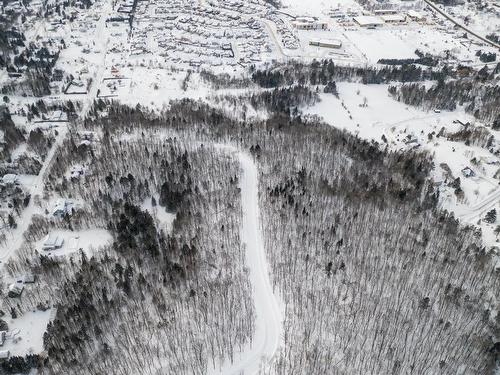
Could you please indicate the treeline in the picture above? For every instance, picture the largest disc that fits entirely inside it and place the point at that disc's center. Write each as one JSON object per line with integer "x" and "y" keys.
{"x": 322, "y": 72}
{"x": 479, "y": 97}
{"x": 287, "y": 100}
{"x": 223, "y": 81}
{"x": 427, "y": 60}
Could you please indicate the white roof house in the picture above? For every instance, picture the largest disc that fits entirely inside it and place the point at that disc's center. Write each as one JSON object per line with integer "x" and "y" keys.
{"x": 369, "y": 21}
{"x": 52, "y": 242}
{"x": 2, "y": 337}
{"x": 4, "y": 354}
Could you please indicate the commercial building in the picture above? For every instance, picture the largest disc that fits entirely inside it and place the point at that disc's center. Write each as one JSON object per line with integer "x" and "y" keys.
{"x": 369, "y": 21}
{"x": 326, "y": 43}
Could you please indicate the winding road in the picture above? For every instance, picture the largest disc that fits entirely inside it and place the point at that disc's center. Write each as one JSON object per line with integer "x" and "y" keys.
{"x": 259, "y": 354}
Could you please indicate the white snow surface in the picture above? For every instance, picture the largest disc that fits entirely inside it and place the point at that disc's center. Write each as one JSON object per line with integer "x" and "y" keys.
{"x": 25, "y": 334}
{"x": 165, "y": 218}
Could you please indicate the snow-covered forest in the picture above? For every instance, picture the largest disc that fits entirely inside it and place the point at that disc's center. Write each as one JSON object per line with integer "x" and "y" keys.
{"x": 371, "y": 276}
{"x": 272, "y": 187}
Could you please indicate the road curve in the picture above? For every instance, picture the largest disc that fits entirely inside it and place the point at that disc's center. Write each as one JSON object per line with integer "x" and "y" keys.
{"x": 268, "y": 316}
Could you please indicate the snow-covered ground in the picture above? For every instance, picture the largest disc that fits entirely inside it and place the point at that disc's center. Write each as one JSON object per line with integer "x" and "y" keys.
{"x": 25, "y": 334}
{"x": 165, "y": 218}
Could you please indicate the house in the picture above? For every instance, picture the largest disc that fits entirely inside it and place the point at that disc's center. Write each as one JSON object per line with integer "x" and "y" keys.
{"x": 369, "y": 22}
{"x": 2, "y": 337}
{"x": 326, "y": 43}
{"x": 10, "y": 179}
{"x": 52, "y": 242}
{"x": 61, "y": 208}
{"x": 15, "y": 290}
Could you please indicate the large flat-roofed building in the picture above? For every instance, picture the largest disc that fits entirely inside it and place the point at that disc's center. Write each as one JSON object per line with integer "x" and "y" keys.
{"x": 369, "y": 21}
{"x": 326, "y": 43}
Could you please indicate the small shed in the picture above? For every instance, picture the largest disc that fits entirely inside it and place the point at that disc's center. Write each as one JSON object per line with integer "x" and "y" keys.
{"x": 2, "y": 337}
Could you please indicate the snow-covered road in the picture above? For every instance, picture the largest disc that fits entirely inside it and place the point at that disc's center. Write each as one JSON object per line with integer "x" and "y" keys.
{"x": 267, "y": 337}
{"x": 473, "y": 213}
